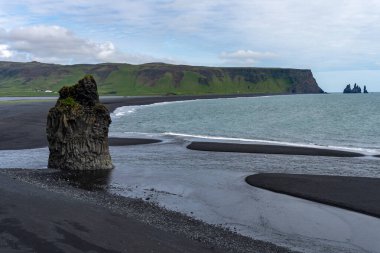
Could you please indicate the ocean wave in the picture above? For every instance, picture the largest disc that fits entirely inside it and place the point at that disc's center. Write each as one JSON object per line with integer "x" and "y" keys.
{"x": 364, "y": 151}
{"x": 166, "y": 136}
{"x": 326, "y": 138}
{"x": 126, "y": 110}
{"x": 130, "y": 109}
{"x": 123, "y": 111}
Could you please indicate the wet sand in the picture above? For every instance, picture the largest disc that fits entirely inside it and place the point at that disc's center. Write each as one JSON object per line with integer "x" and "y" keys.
{"x": 130, "y": 141}
{"x": 268, "y": 149}
{"x": 33, "y": 219}
{"x": 39, "y": 213}
{"x": 359, "y": 194}
{"x": 23, "y": 125}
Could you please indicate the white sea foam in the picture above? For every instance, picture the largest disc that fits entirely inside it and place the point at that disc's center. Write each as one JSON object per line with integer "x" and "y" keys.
{"x": 180, "y": 132}
{"x": 123, "y": 111}
{"x": 270, "y": 142}
{"x": 140, "y": 135}
{"x": 126, "y": 110}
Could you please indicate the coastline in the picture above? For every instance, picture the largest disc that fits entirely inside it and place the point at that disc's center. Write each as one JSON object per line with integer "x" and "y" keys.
{"x": 113, "y": 103}
{"x": 24, "y": 123}
{"x": 268, "y": 149}
{"x": 24, "y": 112}
{"x": 102, "y": 222}
{"x": 359, "y": 194}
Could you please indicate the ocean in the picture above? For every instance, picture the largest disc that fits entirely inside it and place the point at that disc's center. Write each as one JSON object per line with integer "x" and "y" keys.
{"x": 210, "y": 185}
{"x": 348, "y": 121}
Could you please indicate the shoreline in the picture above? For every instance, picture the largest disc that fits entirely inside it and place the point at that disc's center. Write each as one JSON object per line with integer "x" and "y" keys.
{"x": 114, "y": 141}
{"x": 24, "y": 123}
{"x": 358, "y": 194}
{"x": 18, "y": 116}
{"x": 268, "y": 149}
{"x": 113, "y": 103}
{"x": 131, "y": 225}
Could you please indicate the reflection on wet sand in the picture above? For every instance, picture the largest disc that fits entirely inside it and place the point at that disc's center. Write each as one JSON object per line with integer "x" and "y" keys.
{"x": 88, "y": 180}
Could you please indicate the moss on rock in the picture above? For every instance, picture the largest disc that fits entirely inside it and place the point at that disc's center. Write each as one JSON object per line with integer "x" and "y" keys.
{"x": 77, "y": 129}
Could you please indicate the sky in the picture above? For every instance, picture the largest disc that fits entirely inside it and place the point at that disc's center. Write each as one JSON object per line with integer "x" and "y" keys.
{"x": 339, "y": 40}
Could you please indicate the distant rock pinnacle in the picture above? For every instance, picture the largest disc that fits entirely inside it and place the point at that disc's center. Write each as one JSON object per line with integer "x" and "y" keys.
{"x": 355, "y": 89}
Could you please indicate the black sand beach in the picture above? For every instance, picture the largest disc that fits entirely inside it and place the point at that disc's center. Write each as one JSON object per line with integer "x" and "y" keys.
{"x": 40, "y": 213}
{"x": 23, "y": 124}
{"x": 43, "y": 215}
{"x": 359, "y": 194}
{"x": 23, "y": 127}
{"x": 268, "y": 149}
{"x": 33, "y": 219}
{"x": 113, "y": 103}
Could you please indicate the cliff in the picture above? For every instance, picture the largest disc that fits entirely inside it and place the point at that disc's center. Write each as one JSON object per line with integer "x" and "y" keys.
{"x": 77, "y": 129}
{"x": 35, "y": 79}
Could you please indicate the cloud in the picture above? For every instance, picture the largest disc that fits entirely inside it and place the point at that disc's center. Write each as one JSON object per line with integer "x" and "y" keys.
{"x": 55, "y": 42}
{"x": 245, "y": 57}
{"x": 247, "y": 54}
{"x": 321, "y": 35}
{"x": 5, "y": 52}
{"x": 59, "y": 45}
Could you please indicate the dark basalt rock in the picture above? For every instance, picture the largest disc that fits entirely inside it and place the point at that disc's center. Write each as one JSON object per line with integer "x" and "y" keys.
{"x": 347, "y": 89}
{"x": 365, "y": 89}
{"x": 356, "y": 89}
{"x": 77, "y": 129}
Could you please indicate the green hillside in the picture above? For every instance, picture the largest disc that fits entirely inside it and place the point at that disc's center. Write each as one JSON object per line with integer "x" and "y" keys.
{"x": 34, "y": 79}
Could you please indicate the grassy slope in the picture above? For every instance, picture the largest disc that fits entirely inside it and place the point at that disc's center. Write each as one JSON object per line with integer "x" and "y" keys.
{"x": 32, "y": 79}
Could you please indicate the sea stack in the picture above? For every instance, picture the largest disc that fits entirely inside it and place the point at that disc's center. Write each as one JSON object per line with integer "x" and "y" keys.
{"x": 356, "y": 89}
{"x": 77, "y": 129}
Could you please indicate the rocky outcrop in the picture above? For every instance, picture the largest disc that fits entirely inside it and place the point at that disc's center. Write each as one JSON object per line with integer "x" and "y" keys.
{"x": 355, "y": 89}
{"x": 77, "y": 129}
{"x": 347, "y": 89}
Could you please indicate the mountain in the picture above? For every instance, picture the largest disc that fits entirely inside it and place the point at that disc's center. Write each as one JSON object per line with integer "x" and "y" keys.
{"x": 36, "y": 79}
